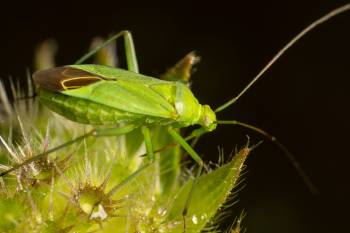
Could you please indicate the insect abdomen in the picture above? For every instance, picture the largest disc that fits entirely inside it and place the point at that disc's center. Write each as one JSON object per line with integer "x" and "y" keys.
{"x": 84, "y": 111}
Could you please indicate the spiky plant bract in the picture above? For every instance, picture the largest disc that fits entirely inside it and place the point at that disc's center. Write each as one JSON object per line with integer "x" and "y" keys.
{"x": 87, "y": 187}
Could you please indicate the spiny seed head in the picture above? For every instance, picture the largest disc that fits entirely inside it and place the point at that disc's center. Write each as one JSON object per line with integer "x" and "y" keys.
{"x": 94, "y": 202}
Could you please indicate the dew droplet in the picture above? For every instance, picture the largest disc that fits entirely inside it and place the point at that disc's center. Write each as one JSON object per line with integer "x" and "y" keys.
{"x": 100, "y": 213}
{"x": 194, "y": 219}
{"x": 153, "y": 198}
{"x": 162, "y": 211}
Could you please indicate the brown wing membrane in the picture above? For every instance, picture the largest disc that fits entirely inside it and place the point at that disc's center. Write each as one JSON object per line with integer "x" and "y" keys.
{"x": 64, "y": 78}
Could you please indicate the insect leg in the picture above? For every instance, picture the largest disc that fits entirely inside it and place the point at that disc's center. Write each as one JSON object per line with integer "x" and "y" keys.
{"x": 152, "y": 159}
{"x": 129, "y": 50}
{"x": 171, "y": 145}
{"x": 177, "y": 137}
{"x": 102, "y": 132}
{"x": 147, "y": 136}
{"x": 95, "y": 133}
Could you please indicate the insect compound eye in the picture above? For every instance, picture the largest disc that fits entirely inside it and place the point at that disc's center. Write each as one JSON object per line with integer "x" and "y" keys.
{"x": 209, "y": 118}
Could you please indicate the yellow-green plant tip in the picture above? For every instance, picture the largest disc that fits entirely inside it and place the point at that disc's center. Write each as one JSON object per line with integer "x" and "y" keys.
{"x": 210, "y": 194}
{"x": 88, "y": 198}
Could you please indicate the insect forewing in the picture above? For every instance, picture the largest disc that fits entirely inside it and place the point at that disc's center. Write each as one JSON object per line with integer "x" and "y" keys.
{"x": 120, "y": 74}
{"x": 116, "y": 88}
{"x": 134, "y": 97}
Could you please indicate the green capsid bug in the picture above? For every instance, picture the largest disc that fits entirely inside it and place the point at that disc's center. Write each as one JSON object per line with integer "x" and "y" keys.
{"x": 100, "y": 95}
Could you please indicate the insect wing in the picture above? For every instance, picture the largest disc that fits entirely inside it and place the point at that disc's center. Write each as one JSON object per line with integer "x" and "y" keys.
{"x": 64, "y": 78}
{"x": 134, "y": 97}
{"x": 118, "y": 74}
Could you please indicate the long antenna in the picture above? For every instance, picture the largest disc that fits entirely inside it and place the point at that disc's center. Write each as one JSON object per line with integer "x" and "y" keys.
{"x": 282, "y": 147}
{"x": 313, "y": 25}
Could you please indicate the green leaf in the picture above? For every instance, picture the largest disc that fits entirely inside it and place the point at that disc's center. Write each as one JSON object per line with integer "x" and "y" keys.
{"x": 209, "y": 194}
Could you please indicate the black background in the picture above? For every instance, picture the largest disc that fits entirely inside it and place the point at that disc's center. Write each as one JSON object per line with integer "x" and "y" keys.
{"x": 303, "y": 99}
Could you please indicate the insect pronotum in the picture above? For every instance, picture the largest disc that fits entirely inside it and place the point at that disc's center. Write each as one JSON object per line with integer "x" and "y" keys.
{"x": 101, "y": 95}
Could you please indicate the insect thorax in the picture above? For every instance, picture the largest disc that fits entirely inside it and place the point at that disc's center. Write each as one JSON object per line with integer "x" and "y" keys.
{"x": 191, "y": 112}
